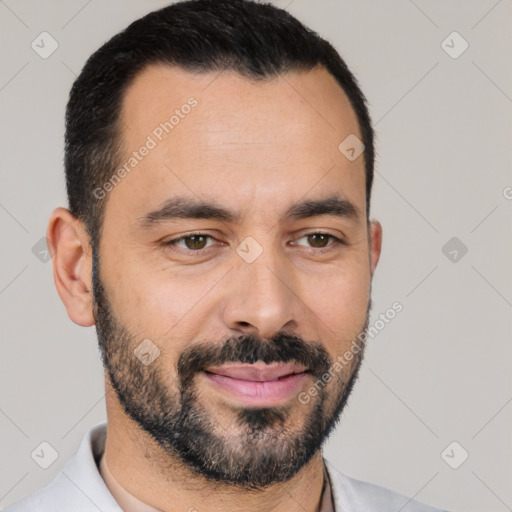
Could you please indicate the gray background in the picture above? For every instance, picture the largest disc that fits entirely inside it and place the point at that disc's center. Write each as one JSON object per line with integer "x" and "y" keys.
{"x": 439, "y": 372}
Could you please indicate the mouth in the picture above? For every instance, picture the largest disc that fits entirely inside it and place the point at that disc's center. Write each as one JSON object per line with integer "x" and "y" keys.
{"x": 257, "y": 372}
{"x": 258, "y": 384}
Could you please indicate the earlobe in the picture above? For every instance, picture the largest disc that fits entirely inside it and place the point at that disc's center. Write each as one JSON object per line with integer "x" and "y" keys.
{"x": 375, "y": 244}
{"x": 72, "y": 265}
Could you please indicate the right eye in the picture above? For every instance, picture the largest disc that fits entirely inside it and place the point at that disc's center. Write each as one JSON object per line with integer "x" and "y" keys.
{"x": 194, "y": 242}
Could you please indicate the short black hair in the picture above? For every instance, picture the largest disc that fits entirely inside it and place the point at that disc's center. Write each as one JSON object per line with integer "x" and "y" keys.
{"x": 256, "y": 40}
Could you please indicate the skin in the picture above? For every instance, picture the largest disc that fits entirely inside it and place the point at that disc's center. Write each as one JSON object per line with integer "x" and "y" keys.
{"x": 257, "y": 148}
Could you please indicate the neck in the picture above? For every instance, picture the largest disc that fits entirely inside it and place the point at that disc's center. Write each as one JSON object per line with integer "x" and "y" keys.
{"x": 157, "y": 478}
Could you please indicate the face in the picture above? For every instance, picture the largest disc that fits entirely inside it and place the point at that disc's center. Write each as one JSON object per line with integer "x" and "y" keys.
{"x": 234, "y": 269}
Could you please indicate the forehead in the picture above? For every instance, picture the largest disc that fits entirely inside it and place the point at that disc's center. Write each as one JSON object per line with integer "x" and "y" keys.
{"x": 294, "y": 100}
{"x": 216, "y": 133}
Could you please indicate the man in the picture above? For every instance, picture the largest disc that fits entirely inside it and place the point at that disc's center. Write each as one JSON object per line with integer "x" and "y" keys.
{"x": 219, "y": 164}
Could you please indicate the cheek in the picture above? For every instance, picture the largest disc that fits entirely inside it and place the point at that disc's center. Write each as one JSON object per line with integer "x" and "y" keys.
{"x": 340, "y": 301}
{"x": 162, "y": 305}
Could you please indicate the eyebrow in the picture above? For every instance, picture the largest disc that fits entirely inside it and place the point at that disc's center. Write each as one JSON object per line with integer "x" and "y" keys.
{"x": 190, "y": 208}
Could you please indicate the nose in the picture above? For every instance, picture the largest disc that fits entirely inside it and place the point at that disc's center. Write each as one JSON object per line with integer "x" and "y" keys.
{"x": 261, "y": 299}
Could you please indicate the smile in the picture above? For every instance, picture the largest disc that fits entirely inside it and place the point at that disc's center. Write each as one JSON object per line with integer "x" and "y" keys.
{"x": 258, "y": 384}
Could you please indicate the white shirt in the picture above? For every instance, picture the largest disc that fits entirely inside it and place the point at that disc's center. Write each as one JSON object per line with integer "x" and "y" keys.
{"x": 79, "y": 487}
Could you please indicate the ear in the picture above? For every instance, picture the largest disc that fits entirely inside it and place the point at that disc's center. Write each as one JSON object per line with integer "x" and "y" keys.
{"x": 375, "y": 244}
{"x": 71, "y": 253}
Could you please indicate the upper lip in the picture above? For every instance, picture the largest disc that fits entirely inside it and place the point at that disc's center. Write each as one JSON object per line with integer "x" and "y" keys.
{"x": 259, "y": 371}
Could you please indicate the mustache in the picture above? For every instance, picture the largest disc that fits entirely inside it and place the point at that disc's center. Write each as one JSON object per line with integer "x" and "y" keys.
{"x": 282, "y": 348}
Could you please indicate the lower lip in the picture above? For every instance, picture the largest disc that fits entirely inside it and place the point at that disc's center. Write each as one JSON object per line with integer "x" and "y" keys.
{"x": 261, "y": 394}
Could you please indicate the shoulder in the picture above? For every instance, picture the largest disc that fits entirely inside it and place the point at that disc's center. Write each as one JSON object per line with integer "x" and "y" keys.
{"x": 77, "y": 486}
{"x": 56, "y": 496}
{"x": 355, "y": 495}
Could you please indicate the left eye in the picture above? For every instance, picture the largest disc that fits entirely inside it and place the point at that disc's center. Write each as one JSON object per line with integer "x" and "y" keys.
{"x": 320, "y": 240}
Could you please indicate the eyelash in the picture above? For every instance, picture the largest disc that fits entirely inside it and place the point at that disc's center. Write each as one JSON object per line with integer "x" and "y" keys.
{"x": 337, "y": 242}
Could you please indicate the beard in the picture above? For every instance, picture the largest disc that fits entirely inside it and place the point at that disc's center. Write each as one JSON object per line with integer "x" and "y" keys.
{"x": 258, "y": 447}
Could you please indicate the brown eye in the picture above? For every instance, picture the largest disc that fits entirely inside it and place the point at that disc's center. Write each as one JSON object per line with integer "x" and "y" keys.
{"x": 195, "y": 242}
{"x": 318, "y": 240}
{"x": 191, "y": 243}
{"x": 321, "y": 241}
